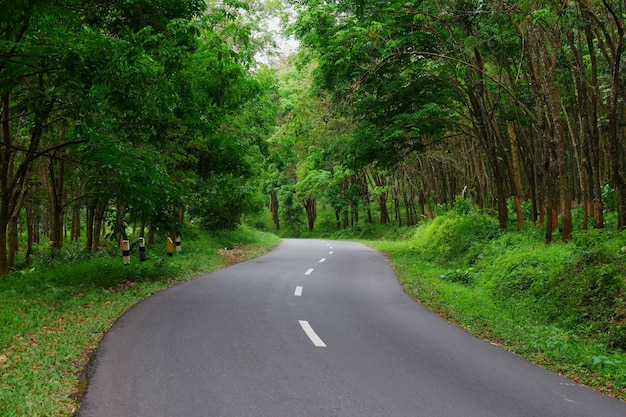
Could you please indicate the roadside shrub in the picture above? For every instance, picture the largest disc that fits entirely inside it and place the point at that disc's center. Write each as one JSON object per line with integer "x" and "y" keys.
{"x": 454, "y": 238}
{"x": 463, "y": 207}
{"x": 579, "y": 286}
{"x": 516, "y": 271}
{"x": 594, "y": 290}
{"x": 460, "y": 276}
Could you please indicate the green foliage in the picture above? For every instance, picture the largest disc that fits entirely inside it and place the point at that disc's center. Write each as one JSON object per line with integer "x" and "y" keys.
{"x": 142, "y": 100}
{"x": 53, "y": 315}
{"x": 580, "y": 355}
{"x": 461, "y": 276}
{"x": 463, "y": 207}
{"x": 371, "y": 64}
{"x": 518, "y": 271}
{"x": 580, "y": 284}
{"x": 290, "y": 209}
{"x": 609, "y": 198}
{"x": 451, "y": 238}
{"x": 220, "y": 200}
{"x": 561, "y": 305}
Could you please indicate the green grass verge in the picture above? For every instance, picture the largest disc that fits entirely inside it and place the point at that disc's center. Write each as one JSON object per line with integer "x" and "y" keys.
{"x": 53, "y": 316}
{"x": 562, "y": 306}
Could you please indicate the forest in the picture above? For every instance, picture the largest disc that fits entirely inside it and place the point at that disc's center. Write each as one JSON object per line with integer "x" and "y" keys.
{"x": 154, "y": 113}
{"x": 480, "y": 144}
{"x": 127, "y": 112}
{"x": 516, "y": 106}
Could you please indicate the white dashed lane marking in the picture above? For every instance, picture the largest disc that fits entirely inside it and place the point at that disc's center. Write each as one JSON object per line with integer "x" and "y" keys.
{"x": 311, "y": 333}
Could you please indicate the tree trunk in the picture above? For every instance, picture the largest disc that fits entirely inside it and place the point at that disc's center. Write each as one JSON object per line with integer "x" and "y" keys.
{"x": 384, "y": 213}
{"x": 274, "y": 209}
{"x": 12, "y": 240}
{"x": 75, "y": 232}
{"x": 32, "y": 226}
{"x": 56, "y": 193}
{"x": 121, "y": 224}
{"x": 14, "y": 175}
{"x": 488, "y": 132}
{"x": 593, "y": 147}
{"x": 516, "y": 175}
{"x": 613, "y": 129}
{"x": 98, "y": 220}
{"x": 89, "y": 223}
{"x": 311, "y": 212}
{"x": 542, "y": 62}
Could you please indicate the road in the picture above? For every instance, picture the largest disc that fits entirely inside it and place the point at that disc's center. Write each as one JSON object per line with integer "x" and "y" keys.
{"x": 313, "y": 329}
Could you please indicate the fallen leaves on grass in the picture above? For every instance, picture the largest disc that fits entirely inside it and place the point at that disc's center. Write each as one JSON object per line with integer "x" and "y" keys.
{"x": 234, "y": 255}
{"x": 122, "y": 285}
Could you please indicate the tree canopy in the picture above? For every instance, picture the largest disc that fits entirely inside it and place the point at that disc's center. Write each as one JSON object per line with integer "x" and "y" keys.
{"x": 507, "y": 103}
{"x": 143, "y": 106}
{"x": 145, "y": 110}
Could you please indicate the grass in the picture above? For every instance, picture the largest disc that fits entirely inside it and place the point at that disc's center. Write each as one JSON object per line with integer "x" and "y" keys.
{"x": 560, "y": 305}
{"x": 53, "y": 315}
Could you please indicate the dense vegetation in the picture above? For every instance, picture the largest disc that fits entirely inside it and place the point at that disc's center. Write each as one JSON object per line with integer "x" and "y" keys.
{"x": 154, "y": 113}
{"x": 53, "y": 315}
{"x": 134, "y": 111}
{"x": 415, "y": 103}
{"x": 486, "y": 127}
{"x": 562, "y": 306}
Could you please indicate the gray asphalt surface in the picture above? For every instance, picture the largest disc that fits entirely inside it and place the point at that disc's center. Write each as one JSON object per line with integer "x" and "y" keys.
{"x": 231, "y": 344}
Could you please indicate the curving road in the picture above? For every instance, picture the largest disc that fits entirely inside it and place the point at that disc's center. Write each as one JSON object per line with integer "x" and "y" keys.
{"x": 313, "y": 329}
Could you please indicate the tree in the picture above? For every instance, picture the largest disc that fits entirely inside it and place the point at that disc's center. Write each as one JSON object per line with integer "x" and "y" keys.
{"x": 113, "y": 99}
{"x": 506, "y": 75}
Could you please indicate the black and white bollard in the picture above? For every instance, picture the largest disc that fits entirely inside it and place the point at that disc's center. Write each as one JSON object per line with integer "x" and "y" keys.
{"x": 178, "y": 244}
{"x": 142, "y": 249}
{"x": 125, "y": 251}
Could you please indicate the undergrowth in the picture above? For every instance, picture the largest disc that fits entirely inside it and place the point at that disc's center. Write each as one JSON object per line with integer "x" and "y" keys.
{"x": 53, "y": 314}
{"x": 562, "y": 305}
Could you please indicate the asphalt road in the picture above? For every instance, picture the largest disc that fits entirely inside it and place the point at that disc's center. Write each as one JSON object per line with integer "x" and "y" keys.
{"x": 313, "y": 329}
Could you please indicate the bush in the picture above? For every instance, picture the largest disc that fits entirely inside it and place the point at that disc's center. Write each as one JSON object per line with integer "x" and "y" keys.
{"x": 463, "y": 207}
{"x": 460, "y": 276}
{"x": 561, "y": 304}
{"x": 520, "y": 272}
{"x": 452, "y": 238}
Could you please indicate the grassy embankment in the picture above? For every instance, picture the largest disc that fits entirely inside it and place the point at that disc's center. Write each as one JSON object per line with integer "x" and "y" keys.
{"x": 53, "y": 315}
{"x": 562, "y": 306}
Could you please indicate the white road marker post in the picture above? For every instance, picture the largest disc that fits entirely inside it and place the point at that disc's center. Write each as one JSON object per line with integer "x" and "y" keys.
{"x": 142, "y": 249}
{"x": 125, "y": 251}
{"x": 178, "y": 244}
